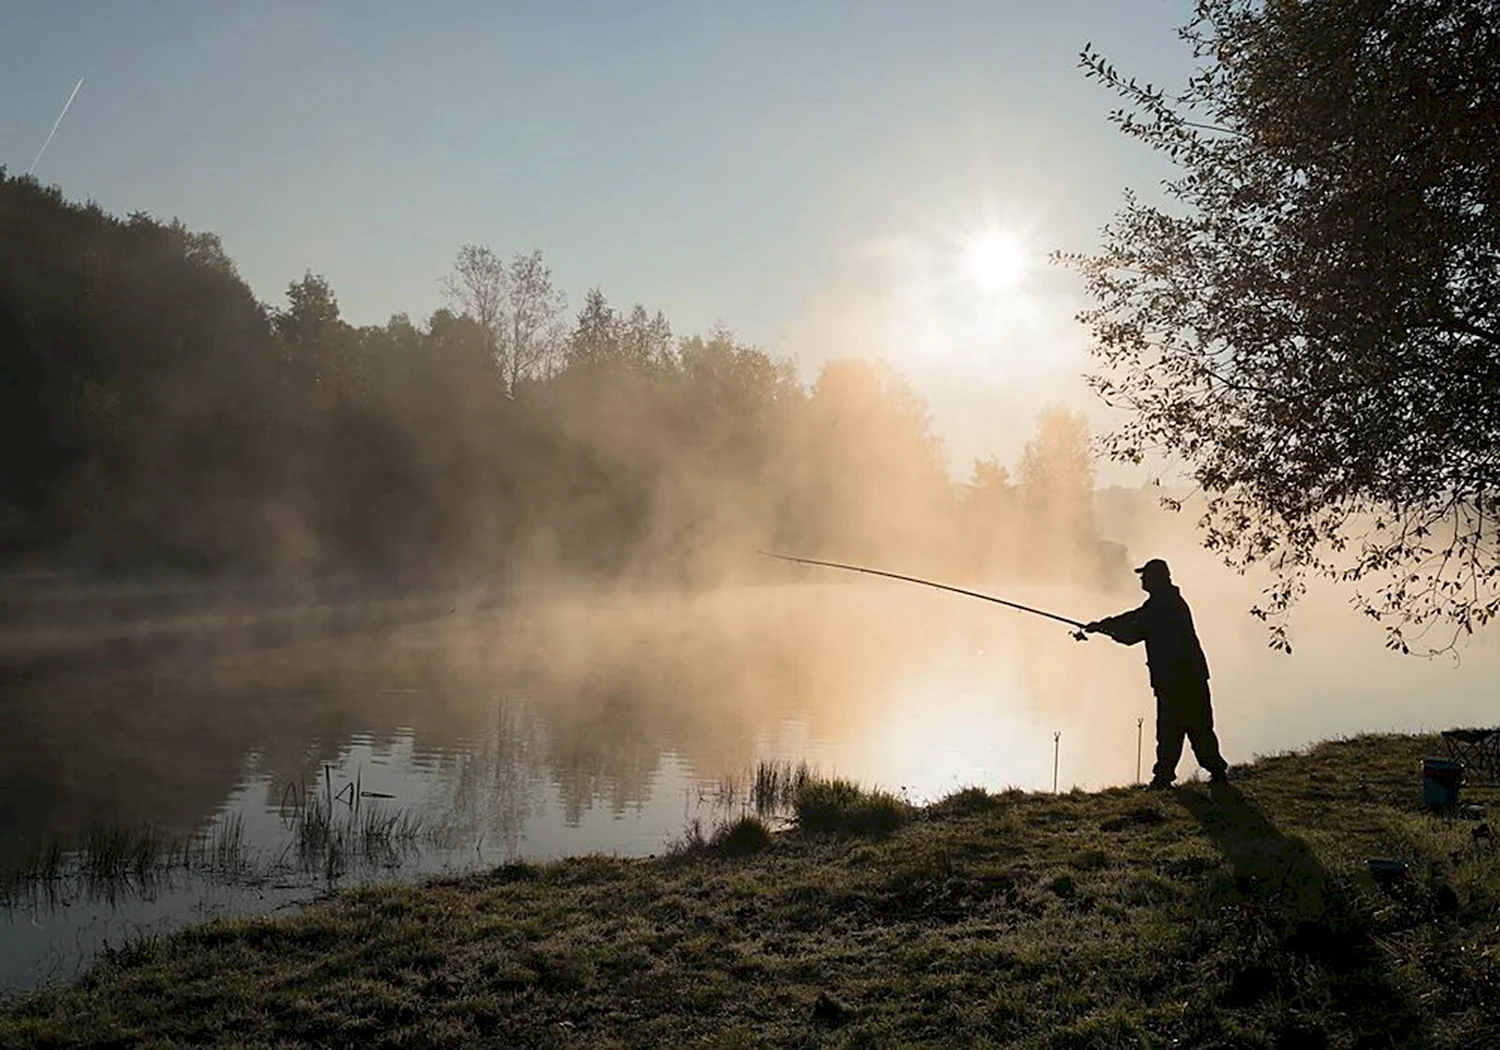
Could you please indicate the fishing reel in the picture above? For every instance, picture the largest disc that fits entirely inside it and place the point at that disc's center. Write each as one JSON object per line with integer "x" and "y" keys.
{"x": 1080, "y": 635}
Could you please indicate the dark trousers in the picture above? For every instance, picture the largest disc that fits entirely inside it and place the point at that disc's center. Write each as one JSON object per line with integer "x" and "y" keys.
{"x": 1183, "y": 710}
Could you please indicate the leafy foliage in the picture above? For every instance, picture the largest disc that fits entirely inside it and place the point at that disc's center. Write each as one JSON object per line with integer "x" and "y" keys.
{"x": 1308, "y": 319}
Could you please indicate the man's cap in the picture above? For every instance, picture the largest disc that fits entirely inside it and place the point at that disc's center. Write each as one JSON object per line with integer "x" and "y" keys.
{"x": 1155, "y": 568}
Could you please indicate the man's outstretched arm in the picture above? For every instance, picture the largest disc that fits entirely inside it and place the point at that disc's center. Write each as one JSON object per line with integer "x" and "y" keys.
{"x": 1128, "y": 628}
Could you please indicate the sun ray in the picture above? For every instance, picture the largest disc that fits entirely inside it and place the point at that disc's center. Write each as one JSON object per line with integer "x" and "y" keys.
{"x": 995, "y": 260}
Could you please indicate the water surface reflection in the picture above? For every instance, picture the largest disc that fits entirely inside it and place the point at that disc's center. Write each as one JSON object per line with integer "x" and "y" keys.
{"x": 602, "y": 722}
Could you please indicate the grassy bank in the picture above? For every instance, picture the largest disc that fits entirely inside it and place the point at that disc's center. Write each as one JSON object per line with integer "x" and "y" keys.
{"x": 1241, "y": 917}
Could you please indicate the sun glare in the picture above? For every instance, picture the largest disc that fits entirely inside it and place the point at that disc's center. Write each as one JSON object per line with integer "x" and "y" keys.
{"x": 995, "y": 260}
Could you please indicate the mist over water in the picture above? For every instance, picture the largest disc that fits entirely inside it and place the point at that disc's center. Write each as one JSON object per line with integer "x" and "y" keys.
{"x": 583, "y": 721}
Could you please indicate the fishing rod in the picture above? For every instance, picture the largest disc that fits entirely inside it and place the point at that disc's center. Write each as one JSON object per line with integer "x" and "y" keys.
{"x": 1079, "y": 634}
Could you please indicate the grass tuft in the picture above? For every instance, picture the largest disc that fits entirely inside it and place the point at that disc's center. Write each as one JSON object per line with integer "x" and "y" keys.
{"x": 969, "y": 801}
{"x": 115, "y": 854}
{"x": 226, "y": 851}
{"x": 843, "y": 807}
{"x": 776, "y": 785}
{"x": 516, "y": 871}
{"x": 742, "y": 838}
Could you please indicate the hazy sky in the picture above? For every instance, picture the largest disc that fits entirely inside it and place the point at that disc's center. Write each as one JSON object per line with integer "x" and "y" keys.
{"x": 805, "y": 172}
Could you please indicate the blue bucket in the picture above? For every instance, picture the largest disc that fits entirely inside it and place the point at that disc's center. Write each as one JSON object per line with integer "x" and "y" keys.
{"x": 1440, "y": 782}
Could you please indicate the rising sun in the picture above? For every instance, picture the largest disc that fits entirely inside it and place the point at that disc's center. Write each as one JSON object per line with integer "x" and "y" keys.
{"x": 995, "y": 260}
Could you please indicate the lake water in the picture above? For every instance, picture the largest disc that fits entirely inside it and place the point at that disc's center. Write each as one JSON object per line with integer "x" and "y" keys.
{"x": 606, "y": 722}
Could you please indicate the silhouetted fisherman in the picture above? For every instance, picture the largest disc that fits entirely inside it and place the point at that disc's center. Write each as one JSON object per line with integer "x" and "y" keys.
{"x": 1179, "y": 673}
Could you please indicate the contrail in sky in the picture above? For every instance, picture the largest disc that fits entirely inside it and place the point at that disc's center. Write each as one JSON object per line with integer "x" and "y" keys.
{"x": 55, "y": 125}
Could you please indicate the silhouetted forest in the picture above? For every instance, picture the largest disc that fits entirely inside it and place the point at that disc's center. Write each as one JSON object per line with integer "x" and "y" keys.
{"x": 157, "y": 417}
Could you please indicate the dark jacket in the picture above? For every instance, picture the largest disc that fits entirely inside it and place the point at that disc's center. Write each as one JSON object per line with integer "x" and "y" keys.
{"x": 1165, "y": 624}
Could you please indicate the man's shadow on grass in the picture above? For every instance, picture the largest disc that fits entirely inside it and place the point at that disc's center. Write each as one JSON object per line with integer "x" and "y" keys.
{"x": 1288, "y": 894}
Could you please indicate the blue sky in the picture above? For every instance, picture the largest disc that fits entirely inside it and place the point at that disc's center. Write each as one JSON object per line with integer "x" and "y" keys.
{"x": 777, "y": 166}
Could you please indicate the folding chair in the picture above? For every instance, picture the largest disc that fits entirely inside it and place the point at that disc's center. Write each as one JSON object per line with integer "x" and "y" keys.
{"x": 1478, "y": 751}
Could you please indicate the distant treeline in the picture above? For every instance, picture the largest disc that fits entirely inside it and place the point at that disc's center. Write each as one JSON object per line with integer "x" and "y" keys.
{"x": 154, "y": 416}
